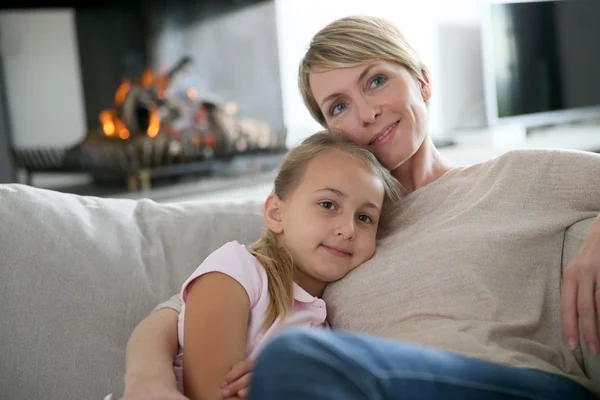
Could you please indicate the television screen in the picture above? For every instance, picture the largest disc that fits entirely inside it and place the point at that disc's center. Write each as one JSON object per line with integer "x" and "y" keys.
{"x": 542, "y": 60}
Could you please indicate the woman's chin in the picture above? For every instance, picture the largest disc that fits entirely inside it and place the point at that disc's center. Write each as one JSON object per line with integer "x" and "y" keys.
{"x": 392, "y": 161}
{"x": 395, "y": 154}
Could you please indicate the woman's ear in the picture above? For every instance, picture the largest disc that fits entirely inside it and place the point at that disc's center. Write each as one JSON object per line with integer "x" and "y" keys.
{"x": 273, "y": 214}
{"x": 425, "y": 83}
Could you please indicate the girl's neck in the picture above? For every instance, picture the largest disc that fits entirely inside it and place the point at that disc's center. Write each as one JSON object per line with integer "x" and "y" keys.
{"x": 310, "y": 285}
{"x": 424, "y": 167}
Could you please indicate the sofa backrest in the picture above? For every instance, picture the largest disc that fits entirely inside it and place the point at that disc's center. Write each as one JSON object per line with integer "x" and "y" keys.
{"x": 78, "y": 273}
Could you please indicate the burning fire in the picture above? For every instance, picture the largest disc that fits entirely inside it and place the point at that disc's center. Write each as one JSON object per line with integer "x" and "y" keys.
{"x": 112, "y": 125}
{"x": 112, "y": 121}
{"x": 154, "y": 124}
{"x": 143, "y": 111}
{"x": 122, "y": 92}
{"x": 107, "y": 121}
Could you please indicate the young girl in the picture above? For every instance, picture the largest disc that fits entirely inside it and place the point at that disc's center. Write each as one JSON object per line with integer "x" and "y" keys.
{"x": 327, "y": 208}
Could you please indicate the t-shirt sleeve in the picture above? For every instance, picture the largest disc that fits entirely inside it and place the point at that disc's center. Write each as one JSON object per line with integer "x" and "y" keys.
{"x": 234, "y": 260}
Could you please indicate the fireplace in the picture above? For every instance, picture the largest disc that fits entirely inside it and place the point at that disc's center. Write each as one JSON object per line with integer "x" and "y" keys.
{"x": 156, "y": 130}
{"x": 171, "y": 89}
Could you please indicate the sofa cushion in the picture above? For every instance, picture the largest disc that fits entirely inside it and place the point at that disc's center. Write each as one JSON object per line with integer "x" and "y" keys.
{"x": 78, "y": 273}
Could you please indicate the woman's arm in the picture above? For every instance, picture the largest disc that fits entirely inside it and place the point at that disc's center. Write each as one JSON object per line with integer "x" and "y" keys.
{"x": 150, "y": 354}
{"x": 569, "y": 182}
{"x": 215, "y": 329}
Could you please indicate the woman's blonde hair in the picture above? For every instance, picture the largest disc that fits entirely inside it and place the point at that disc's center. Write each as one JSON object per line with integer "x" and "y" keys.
{"x": 276, "y": 260}
{"x": 354, "y": 41}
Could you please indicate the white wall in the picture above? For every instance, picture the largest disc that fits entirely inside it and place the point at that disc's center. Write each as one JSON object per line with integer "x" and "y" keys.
{"x": 299, "y": 20}
{"x": 42, "y": 75}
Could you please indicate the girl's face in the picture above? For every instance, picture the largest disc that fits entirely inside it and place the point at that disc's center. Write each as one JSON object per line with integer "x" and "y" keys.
{"x": 329, "y": 220}
{"x": 380, "y": 105}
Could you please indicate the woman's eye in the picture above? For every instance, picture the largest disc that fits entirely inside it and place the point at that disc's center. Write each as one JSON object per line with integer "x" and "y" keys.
{"x": 365, "y": 218}
{"x": 327, "y": 204}
{"x": 337, "y": 108}
{"x": 378, "y": 80}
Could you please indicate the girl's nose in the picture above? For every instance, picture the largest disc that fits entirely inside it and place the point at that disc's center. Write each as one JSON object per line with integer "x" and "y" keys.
{"x": 346, "y": 228}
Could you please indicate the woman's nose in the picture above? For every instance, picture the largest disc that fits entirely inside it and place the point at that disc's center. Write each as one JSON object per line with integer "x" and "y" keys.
{"x": 368, "y": 112}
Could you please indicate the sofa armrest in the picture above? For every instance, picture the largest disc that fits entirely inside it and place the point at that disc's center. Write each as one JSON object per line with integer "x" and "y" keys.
{"x": 574, "y": 238}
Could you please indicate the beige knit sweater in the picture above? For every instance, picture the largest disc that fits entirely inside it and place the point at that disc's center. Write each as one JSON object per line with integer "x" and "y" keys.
{"x": 474, "y": 263}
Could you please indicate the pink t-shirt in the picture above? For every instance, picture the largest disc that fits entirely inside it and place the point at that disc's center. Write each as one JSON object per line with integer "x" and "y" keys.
{"x": 233, "y": 259}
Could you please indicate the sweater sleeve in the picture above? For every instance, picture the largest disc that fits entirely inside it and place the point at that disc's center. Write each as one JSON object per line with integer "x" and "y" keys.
{"x": 174, "y": 303}
{"x": 570, "y": 179}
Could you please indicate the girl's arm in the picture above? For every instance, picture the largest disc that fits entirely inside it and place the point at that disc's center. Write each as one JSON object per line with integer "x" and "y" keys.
{"x": 150, "y": 354}
{"x": 216, "y": 324}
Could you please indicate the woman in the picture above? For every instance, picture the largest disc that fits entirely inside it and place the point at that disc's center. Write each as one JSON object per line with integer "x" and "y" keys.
{"x": 471, "y": 268}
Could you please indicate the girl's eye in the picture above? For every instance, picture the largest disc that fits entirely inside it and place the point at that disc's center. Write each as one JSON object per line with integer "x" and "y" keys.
{"x": 327, "y": 204}
{"x": 337, "y": 108}
{"x": 365, "y": 218}
{"x": 378, "y": 80}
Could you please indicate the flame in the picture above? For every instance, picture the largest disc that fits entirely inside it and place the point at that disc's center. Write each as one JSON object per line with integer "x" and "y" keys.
{"x": 108, "y": 126}
{"x": 122, "y": 92}
{"x": 121, "y": 128}
{"x": 124, "y": 133}
{"x": 113, "y": 126}
{"x": 147, "y": 78}
{"x": 154, "y": 124}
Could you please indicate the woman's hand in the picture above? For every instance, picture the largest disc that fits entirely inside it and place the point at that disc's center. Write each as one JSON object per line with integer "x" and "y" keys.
{"x": 237, "y": 381}
{"x": 580, "y": 298}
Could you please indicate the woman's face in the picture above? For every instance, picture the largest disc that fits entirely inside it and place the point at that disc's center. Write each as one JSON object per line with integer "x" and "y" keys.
{"x": 380, "y": 105}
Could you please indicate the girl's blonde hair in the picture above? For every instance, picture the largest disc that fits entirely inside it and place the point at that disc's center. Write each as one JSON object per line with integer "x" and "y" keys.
{"x": 276, "y": 260}
{"x": 354, "y": 41}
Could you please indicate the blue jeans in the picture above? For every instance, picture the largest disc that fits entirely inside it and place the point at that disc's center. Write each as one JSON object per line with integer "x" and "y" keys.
{"x": 317, "y": 364}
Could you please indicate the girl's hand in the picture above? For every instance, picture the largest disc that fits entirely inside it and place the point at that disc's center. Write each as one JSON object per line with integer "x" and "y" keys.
{"x": 580, "y": 300}
{"x": 237, "y": 381}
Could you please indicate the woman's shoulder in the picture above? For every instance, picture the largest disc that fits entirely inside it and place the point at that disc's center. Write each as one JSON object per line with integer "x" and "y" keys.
{"x": 527, "y": 154}
{"x": 554, "y": 156}
{"x": 525, "y": 159}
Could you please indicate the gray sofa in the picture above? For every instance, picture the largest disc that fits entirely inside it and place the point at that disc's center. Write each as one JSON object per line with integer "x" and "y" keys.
{"x": 78, "y": 273}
